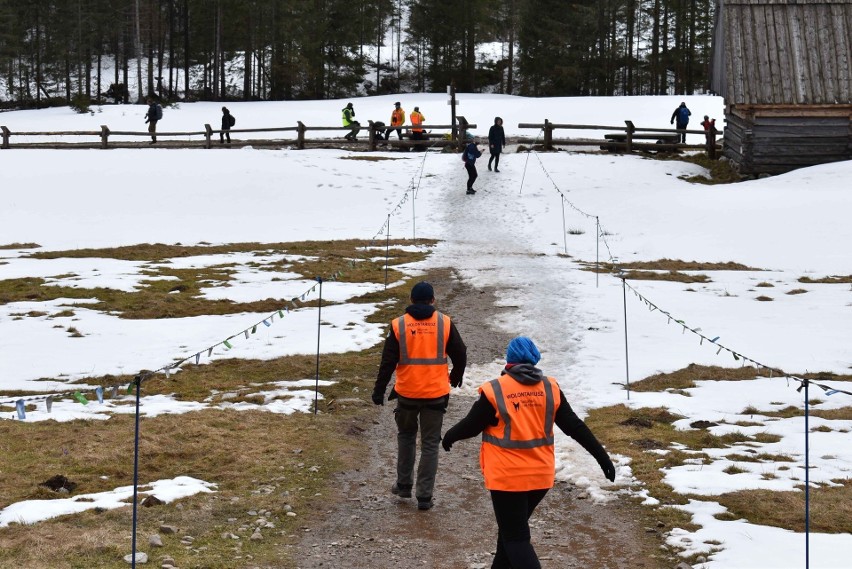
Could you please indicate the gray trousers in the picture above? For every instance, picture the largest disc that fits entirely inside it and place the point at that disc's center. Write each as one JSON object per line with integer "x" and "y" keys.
{"x": 430, "y": 415}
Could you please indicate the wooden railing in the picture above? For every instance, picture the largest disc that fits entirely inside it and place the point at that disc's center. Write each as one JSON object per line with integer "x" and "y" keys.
{"x": 298, "y": 139}
{"x": 624, "y": 138}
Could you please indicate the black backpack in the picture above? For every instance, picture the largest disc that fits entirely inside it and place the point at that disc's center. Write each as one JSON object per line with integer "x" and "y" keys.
{"x": 159, "y": 113}
{"x": 231, "y": 120}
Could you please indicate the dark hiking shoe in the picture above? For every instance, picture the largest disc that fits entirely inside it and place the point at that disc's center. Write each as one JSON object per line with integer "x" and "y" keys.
{"x": 489, "y": 167}
{"x": 401, "y": 490}
{"x": 471, "y": 192}
{"x": 496, "y": 170}
{"x": 424, "y": 503}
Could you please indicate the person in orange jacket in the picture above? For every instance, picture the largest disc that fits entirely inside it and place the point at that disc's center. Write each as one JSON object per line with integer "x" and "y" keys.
{"x": 515, "y": 414}
{"x": 397, "y": 120}
{"x": 417, "y": 119}
{"x": 417, "y": 348}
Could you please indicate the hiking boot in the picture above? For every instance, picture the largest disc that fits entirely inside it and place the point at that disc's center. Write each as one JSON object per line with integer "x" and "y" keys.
{"x": 496, "y": 170}
{"x": 471, "y": 191}
{"x": 401, "y": 490}
{"x": 424, "y": 503}
{"x": 489, "y": 167}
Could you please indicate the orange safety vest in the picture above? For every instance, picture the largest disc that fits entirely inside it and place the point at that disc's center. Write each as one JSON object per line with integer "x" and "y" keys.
{"x": 416, "y": 120}
{"x": 398, "y": 117}
{"x": 422, "y": 371}
{"x": 517, "y": 454}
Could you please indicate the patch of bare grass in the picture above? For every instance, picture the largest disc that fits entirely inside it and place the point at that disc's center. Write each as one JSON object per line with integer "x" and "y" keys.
{"x": 734, "y": 469}
{"x": 797, "y": 291}
{"x": 763, "y": 298}
{"x": 833, "y": 279}
{"x": 765, "y": 284}
{"x": 830, "y": 508}
{"x": 721, "y": 171}
{"x": 20, "y": 246}
{"x": 686, "y": 377}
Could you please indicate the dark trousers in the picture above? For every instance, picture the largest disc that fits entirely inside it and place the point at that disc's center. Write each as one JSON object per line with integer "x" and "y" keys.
{"x": 152, "y": 128}
{"x": 225, "y": 134}
{"x": 496, "y": 159}
{"x": 430, "y": 415}
{"x": 513, "y": 511}
{"x": 390, "y": 130}
{"x": 471, "y": 174}
{"x": 682, "y": 134}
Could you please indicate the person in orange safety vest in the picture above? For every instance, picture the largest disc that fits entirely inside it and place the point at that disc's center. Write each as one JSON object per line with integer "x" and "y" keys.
{"x": 397, "y": 120}
{"x": 515, "y": 414}
{"x": 417, "y": 119}
{"x": 417, "y": 348}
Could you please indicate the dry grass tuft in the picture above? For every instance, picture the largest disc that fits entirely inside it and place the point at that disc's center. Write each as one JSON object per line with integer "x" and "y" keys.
{"x": 833, "y": 279}
{"x": 763, "y": 298}
{"x": 686, "y": 377}
{"x": 20, "y": 246}
{"x": 765, "y": 284}
{"x": 797, "y": 291}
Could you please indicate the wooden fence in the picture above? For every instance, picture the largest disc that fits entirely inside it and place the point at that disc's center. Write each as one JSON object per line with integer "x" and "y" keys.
{"x": 625, "y": 138}
{"x": 374, "y": 138}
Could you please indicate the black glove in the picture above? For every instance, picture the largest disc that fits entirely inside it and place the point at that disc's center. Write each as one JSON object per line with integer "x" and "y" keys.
{"x": 456, "y": 382}
{"x": 446, "y": 444}
{"x": 378, "y": 398}
{"x": 608, "y": 468}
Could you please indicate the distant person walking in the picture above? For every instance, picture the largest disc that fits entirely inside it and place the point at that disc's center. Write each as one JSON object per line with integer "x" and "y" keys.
{"x": 515, "y": 414}
{"x": 397, "y": 120}
{"x": 152, "y": 117}
{"x": 417, "y": 348}
{"x": 681, "y": 116}
{"x": 348, "y": 120}
{"x": 228, "y": 121}
{"x": 709, "y": 129}
{"x": 417, "y": 120}
{"x": 471, "y": 153}
{"x": 496, "y": 142}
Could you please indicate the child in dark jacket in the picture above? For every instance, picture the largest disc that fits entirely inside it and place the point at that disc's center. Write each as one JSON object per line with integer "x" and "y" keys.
{"x": 471, "y": 153}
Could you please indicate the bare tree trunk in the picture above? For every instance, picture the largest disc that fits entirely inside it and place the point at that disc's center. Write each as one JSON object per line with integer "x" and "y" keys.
{"x": 139, "y": 97}
{"x": 186, "y": 49}
{"x": 510, "y": 76}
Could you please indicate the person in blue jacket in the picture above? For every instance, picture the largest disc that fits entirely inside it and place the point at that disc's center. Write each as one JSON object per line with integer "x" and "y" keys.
{"x": 471, "y": 153}
{"x": 681, "y": 115}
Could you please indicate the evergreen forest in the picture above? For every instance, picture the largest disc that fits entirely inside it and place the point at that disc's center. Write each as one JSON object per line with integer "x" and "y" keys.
{"x": 55, "y": 51}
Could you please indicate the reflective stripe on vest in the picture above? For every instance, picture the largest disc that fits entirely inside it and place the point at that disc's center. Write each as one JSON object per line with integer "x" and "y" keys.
{"x": 439, "y": 347}
{"x": 506, "y": 441}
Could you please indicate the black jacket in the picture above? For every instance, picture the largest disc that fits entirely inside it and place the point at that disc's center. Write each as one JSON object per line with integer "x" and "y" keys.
{"x": 456, "y": 350}
{"x": 496, "y": 139}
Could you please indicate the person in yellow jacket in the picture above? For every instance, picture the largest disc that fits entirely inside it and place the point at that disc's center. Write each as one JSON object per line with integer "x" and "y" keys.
{"x": 417, "y": 348}
{"x": 417, "y": 120}
{"x": 515, "y": 414}
{"x": 397, "y": 120}
{"x": 349, "y": 121}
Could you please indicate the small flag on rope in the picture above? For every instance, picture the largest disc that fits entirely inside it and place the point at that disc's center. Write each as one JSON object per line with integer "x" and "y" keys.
{"x": 49, "y": 403}
{"x": 247, "y": 333}
{"x": 281, "y": 314}
{"x": 716, "y": 338}
{"x": 99, "y": 392}
{"x": 21, "y": 408}
{"x": 81, "y": 398}
{"x": 166, "y": 369}
{"x": 130, "y": 388}
{"x": 197, "y": 358}
{"x": 114, "y": 393}
{"x": 227, "y": 344}
{"x": 267, "y": 324}
{"x": 736, "y": 357}
{"x": 832, "y": 391}
{"x": 210, "y": 351}
{"x": 254, "y": 329}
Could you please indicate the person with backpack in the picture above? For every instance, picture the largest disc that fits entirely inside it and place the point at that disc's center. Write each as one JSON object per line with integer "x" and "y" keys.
{"x": 681, "y": 115}
{"x": 515, "y": 414}
{"x": 348, "y": 120}
{"x": 417, "y": 119}
{"x": 469, "y": 156}
{"x": 228, "y": 121}
{"x": 496, "y": 142}
{"x": 154, "y": 114}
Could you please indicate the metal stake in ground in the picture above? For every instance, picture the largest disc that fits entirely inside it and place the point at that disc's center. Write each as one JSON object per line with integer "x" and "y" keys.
{"x": 807, "y": 481}
{"x": 387, "y": 252}
{"x": 138, "y": 381}
{"x": 319, "y": 326}
{"x": 626, "y": 354}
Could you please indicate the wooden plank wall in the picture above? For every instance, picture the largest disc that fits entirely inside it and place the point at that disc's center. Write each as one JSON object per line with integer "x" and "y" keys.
{"x": 775, "y": 140}
{"x": 784, "y": 52}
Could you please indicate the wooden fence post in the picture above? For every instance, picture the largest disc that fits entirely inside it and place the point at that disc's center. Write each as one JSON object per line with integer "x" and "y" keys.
{"x": 548, "y": 135}
{"x": 462, "y": 141}
{"x": 104, "y": 136}
{"x": 629, "y": 130}
{"x": 208, "y": 136}
{"x": 372, "y": 135}
{"x": 6, "y": 134}
{"x": 301, "y": 137}
{"x": 711, "y": 142}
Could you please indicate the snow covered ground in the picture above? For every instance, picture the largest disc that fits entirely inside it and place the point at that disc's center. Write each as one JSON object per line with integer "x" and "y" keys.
{"x": 511, "y": 235}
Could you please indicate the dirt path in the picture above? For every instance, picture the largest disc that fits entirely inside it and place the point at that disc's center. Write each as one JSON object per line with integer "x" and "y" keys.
{"x": 367, "y": 527}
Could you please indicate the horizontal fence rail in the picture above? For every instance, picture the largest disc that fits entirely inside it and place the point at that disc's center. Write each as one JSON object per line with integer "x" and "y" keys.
{"x": 627, "y": 138}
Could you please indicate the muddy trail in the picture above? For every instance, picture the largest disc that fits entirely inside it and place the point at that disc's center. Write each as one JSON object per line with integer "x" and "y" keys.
{"x": 363, "y": 525}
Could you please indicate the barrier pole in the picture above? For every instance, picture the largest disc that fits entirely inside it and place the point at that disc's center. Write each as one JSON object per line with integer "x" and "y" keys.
{"x": 138, "y": 381}
{"x": 807, "y": 482}
{"x": 319, "y": 327}
{"x": 387, "y": 253}
{"x": 626, "y": 353}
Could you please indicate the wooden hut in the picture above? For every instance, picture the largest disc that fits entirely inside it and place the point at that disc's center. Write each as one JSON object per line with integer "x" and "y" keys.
{"x": 784, "y": 68}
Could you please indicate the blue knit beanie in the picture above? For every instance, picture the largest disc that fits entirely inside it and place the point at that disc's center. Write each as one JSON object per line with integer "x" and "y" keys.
{"x": 522, "y": 350}
{"x": 422, "y": 292}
